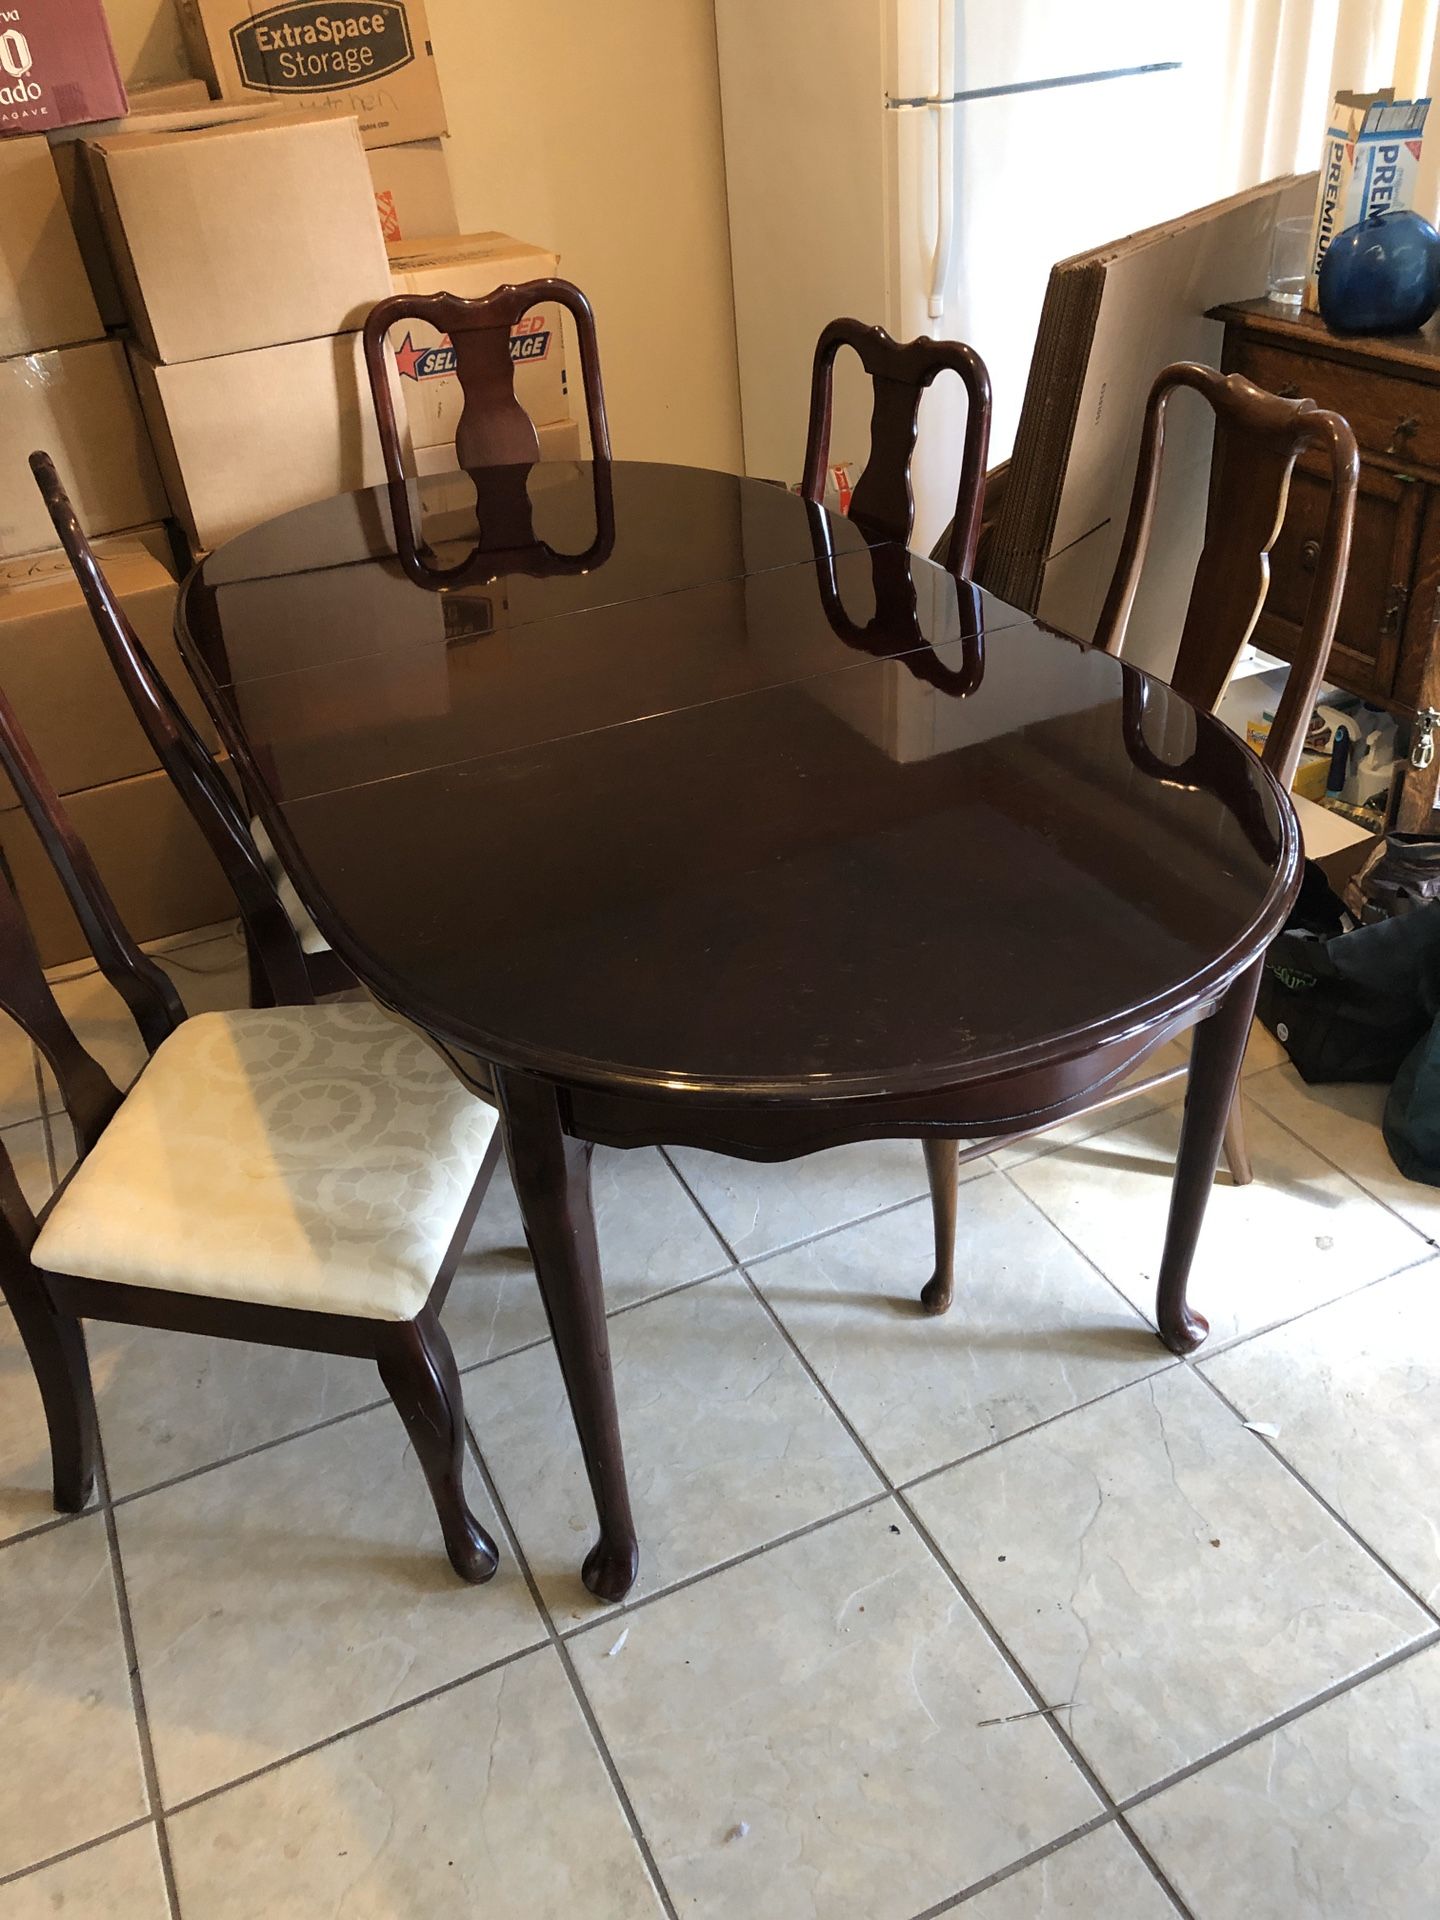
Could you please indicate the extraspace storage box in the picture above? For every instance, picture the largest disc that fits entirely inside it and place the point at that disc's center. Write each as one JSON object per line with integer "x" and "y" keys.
{"x": 54, "y": 668}
{"x": 79, "y": 404}
{"x": 473, "y": 264}
{"x": 45, "y": 297}
{"x": 57, "y": 66}
{"x": 413, "y": 196}
{"x": 245, "y": 436}
{"x": 289, "y": 247}
{"x": 369, "y": 58}
{"x": 151, "y": 855}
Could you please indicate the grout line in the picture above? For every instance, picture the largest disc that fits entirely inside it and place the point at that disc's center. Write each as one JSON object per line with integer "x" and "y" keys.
{"x": 1373, "y": 1553}
{"x": 137, "y": 1688}
{"x": 582, "y": 1702}
{"x": 1280, "y": 1720}
{"x": 70, "y": 1853}
{"x": 954, "y": 1900}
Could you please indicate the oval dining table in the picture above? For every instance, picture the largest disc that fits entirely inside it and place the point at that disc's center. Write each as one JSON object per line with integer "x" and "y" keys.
{"x": 677, "y": 812}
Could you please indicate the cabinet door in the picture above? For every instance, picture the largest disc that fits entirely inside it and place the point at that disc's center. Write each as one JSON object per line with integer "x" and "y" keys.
{"x": 1377, "y": 588}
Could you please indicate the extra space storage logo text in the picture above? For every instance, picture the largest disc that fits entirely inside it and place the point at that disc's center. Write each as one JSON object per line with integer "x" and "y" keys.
{"x": 311, "y": 45}
{"x": 529, "y": 340}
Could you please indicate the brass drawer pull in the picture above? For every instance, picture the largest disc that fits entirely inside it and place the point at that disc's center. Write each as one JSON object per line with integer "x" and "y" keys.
{"x": 1403, "y": 431}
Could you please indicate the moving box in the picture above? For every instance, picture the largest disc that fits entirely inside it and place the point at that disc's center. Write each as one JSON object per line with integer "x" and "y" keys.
{"x": 45, "y": 297}
{"x": 57, "y": 66}
{"x": 412, "y": 191}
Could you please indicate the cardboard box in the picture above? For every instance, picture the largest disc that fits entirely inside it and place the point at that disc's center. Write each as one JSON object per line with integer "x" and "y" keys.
{"x": 559, "y": 440}
{"x": 247, "y": 436}
{"x": 56, "y": 672}
{"x": 412, "y": 191}
{"x": 1369, "y": 165}
{"x": 473, "y": 264}
{"x": 151, "y": 855}
{"x": 174, "y": 105}
{"x": 288, "y": 248}
{"x": 369, "y": 58}
{"x": 45, "y": 297}
{"x": 79, "y": 404}
{"x": 57, "y": 66}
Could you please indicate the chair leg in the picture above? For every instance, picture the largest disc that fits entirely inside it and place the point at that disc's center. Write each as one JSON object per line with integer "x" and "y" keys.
{"x": 1237, "y": 1151}
{"x": 420, "y": 1375}
{"x": 55, "y": 1344}
{"x": 942, "y": 1162}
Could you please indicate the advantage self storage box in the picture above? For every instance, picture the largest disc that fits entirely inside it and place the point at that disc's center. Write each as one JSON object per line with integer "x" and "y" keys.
{"x": 370, "y": 58}
{"x": 55, "y": 670}
{"x": 239, "y": 235}
{"x": 79, "y": 404}
{"x": 473, "y": 264}
{"x": 45, "y": 297}
{"x": 246, "y": 436}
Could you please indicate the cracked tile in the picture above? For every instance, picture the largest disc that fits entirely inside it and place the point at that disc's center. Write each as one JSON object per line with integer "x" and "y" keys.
{"x": 1148, "y": 1559}
{"x": 490, "y": 1799}
{"x": 1335, "y": 1816}
{"x": 801, "y": 1735}
{"x": 727, "y": 1442}
{"x": 1034, "y": 1329}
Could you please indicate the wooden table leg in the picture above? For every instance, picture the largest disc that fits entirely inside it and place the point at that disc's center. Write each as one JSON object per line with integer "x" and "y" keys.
{"x": 551, "y": 1172}
{"x": 942, "y": 1163}
{"x": 1216, "y": 1054}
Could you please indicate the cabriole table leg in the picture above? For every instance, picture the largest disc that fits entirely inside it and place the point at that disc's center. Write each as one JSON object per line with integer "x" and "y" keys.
{"x": 551, "y": 1172}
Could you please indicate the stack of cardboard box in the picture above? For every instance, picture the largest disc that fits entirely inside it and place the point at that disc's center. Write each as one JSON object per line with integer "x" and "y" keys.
{"x": 65, "y": 387}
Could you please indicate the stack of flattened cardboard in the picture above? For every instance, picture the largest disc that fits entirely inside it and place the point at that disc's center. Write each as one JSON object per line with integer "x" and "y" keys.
{"x": 247, "y": 354}
{"x": 1112, "y": 319}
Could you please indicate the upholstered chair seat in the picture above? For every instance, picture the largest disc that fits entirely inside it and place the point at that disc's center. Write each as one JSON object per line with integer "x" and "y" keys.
{"x": 304, "y": 1157}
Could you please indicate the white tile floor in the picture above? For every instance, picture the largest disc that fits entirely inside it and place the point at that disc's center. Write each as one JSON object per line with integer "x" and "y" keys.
{"x": 1009, "y": 1612}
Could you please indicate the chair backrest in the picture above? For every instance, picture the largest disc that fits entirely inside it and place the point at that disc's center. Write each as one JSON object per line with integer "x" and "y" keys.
{"x": 1258, "y": 437}
{"x": 89, "y": 1094}
{"x": 182, "y": 753}
{"x": 882, "y": 502}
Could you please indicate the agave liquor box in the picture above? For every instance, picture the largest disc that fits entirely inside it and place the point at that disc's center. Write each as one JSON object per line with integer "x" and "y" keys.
{"x": 57, "y": 66}
{"x": 472, "y": 265}
{"x": 371, "y": 58}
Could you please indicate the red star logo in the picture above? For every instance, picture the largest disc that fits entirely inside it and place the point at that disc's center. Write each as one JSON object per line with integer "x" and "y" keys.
{"x": 406, "y": 358}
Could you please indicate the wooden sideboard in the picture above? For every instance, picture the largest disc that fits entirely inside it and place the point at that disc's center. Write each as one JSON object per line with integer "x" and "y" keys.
{"x": 1387, "y": 647}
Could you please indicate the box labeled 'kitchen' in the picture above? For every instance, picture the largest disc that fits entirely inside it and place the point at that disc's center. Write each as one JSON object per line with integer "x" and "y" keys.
{"x": 57, "y": 66}
{"x": 1370, "y": 163}
{"x": 472, "y": 265}
{"x": 371, "y": 58}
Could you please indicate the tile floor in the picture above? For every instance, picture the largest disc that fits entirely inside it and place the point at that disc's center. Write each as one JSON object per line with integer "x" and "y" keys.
{"x": 1009, "y": 1612}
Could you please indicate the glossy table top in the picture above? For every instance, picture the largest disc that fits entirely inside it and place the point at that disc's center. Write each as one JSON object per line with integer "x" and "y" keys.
{"x": 745, "y": 806}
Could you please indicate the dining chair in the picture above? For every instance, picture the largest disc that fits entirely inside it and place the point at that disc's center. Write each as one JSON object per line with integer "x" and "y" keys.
{"x": 299, "y": 1176}
{"x": 1258, "y": 438}
{"x": 882, "y": 502}
{"x": 494, "y": 429}
{"x": 290, "y": 960}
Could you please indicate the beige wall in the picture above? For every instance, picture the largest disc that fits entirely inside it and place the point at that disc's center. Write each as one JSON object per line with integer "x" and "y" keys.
{"x": 595, "y": 130}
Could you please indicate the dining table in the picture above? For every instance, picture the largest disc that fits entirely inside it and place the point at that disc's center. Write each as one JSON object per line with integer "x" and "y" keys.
{"x": 675, "y": 810}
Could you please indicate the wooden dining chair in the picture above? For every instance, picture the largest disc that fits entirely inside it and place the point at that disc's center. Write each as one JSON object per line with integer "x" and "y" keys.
{"x": 494, "y": 429}
{"x": 300, "y": 1176}
{"x": 290, "y": 959}
{"x": 882, "y": 502}
{"x": 1258, "y": 439}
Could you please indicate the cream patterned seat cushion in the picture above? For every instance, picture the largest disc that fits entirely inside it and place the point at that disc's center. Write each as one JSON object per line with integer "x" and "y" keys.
{"x": 313, "y": 1157}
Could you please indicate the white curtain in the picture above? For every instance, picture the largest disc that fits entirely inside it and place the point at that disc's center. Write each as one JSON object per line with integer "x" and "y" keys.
{"x": 1277, "y": 65}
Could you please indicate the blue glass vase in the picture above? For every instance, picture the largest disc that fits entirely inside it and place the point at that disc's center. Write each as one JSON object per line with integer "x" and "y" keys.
{"x": 1382, "y": 276}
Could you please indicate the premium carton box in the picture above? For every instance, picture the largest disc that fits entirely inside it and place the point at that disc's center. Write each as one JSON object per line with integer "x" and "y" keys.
{"x": 245, "y": 436}
{"x": 472, "y": 264}
{"x": 149, "y": 107}
{"x": 369, "y": 58}
{"x": 79, "y": 404}
{"x": 55, "y": 670}
{"x": 45, "y": 297}
{"x": 1370, "y": 164}
{"x": 412, "y": 191}
{"x": 57, "y": 66}
{"x": 288, "y": 248}
{"x": 151, "y": 855}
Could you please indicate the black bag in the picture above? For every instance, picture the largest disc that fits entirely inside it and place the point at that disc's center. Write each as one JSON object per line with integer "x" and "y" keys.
{"x": 1353, "y": 1007}
{"x": 1400, "y": 873}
